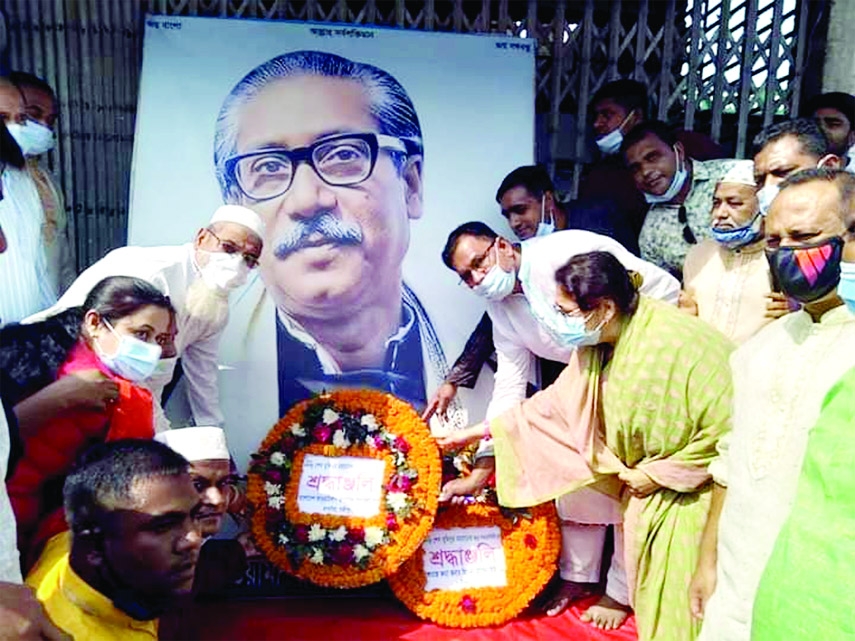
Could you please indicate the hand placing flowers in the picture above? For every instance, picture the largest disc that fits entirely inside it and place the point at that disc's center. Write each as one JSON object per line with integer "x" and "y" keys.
{"x": 458, "y": 439}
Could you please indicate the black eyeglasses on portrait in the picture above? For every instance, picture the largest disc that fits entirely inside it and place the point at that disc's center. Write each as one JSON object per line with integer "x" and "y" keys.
{"x": 341, "y": 161}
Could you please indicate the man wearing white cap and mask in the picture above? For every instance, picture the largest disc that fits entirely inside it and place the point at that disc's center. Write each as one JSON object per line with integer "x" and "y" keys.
{"x": 197, "y": 277}
{"x": 726, "y": 278}
{"x": 210, "y": 469}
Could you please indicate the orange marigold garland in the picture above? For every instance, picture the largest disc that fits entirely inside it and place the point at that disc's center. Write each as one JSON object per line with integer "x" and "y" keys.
{"x": 330, "y": 549}
{"x": 531, "y": 541}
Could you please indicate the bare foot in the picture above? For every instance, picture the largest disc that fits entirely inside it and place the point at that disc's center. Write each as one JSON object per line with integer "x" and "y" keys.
{"x": 606, "y": 614}
{"x": 566, "y": 594}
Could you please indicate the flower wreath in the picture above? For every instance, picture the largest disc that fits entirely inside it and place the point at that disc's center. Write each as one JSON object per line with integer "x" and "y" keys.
{"x": 531, "y": 541}
{"x": 336, "y": 550}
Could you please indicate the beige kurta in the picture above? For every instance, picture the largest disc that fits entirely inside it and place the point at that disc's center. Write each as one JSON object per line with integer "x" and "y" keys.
{"x": 730, "y": 287}
{"x": 780, "y": 378}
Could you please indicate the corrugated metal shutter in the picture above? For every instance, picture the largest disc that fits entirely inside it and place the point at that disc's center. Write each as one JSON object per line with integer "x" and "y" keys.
{"x": 725, "y": 67}
{"x": 89, "y": 52}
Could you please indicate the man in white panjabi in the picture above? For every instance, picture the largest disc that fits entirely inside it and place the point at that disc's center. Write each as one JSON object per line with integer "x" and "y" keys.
{"x": 519, "y": 284}
{"x": 780, "y": 377}
{"x": 726, "y": 280}
{"x": 197, "y": 277}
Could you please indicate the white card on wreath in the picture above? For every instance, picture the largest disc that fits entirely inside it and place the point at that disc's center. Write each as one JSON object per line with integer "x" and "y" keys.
{"x": 464, "y": 558}
{"x": 341, "y": 486}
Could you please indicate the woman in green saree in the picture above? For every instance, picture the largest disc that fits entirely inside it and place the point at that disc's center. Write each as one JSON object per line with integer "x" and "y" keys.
{"x": 637, "y": 412}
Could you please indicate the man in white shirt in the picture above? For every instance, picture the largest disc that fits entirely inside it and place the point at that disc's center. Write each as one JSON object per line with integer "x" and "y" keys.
{"x": 517, "y": 279}
{"x": 24, "y": 276}
{"x": 780, "y": 378}
{"x": 197, "y": 277}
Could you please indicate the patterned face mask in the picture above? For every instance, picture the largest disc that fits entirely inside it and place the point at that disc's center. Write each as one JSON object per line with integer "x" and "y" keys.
{"x": 808, "y": 272}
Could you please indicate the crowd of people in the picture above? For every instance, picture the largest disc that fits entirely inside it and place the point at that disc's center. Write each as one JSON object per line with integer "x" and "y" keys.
{"x": 672, "y": 368}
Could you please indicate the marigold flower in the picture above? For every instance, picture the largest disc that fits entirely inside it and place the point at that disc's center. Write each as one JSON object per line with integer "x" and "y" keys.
{"x": 331, "y": 549}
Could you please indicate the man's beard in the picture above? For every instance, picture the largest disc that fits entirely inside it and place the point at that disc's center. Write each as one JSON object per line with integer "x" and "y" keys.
{"x": 206, "y": 304}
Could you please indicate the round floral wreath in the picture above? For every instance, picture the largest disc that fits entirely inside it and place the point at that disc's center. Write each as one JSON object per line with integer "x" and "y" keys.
{"x": 345, "y": 551}
{"x": 531, "y": 541}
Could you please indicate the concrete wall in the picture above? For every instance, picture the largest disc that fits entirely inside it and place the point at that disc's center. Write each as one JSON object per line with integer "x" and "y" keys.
{"x": 839, "y": 69}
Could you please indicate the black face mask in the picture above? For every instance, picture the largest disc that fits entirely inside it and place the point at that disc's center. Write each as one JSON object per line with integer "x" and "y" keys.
{"x": 807, "y": 272}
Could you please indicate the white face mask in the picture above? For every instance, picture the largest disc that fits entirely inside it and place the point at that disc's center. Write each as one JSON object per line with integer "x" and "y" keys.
{"x": 544, "y": 228}
{"x": 497, "y": 283}
{"x": 224, "y": 271}
{"x": 610, "y": 143}
{"x": 32, "y": 137}
{"x": 676, "y": 185}
{"x": 765, "y": 195}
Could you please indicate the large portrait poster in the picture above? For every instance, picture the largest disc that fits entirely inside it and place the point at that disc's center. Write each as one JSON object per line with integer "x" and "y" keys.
{"x": 361, "y": 148}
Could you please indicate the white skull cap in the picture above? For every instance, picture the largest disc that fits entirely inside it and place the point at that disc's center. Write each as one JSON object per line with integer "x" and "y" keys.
{"x": 196, "y": 443}
{"x": 741, "y": 173}
{"x": 241, "y": 216}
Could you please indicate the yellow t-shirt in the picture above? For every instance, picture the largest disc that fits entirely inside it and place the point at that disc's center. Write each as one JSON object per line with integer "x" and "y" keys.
{"x": 77, "y": 608}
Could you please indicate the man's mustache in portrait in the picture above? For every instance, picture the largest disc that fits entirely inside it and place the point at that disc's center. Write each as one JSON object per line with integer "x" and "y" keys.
{"x": 322, "y": 229}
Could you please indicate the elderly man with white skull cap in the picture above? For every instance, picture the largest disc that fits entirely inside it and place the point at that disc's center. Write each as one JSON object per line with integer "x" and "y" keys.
{"x": 197, "y": 277}
{"x": 726, "y": 278}
{"x": 210, "y": 468}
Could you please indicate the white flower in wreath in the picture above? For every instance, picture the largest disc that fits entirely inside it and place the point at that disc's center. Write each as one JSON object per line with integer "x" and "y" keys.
{"x": 297, "y": 430}
{"x": 338, "y": 534}
{"x": 317, "y": 556}
{"x": 369, "y": 421}
{"x": 317, "y": 533}
{"x": 275, "y": 501}
{"x": 278, "y": 459}
{"x": 329, "y": 417}
{"x": 360, "y": 552}
{"x": 283, "y": 540}
{"x": 340, "y": 440}
{"x": 272, "y": 489}
{"x": 397, "y": 501}
{"x": 400, "y": 459}
{"x": 374, "y": 536}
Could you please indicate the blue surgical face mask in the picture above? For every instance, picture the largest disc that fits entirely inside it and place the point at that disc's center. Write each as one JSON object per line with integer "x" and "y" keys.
{"x": 846, "y": 286}
{"x": 571, "y": 331}
{"x": 741, "y": 236}
{"x": 544, "y": 228}
{"x": 567, "y": 331}
{"x": 134, "y": 359}
{"x": 677, "y": 182}
{"x": 497, "y": 283}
